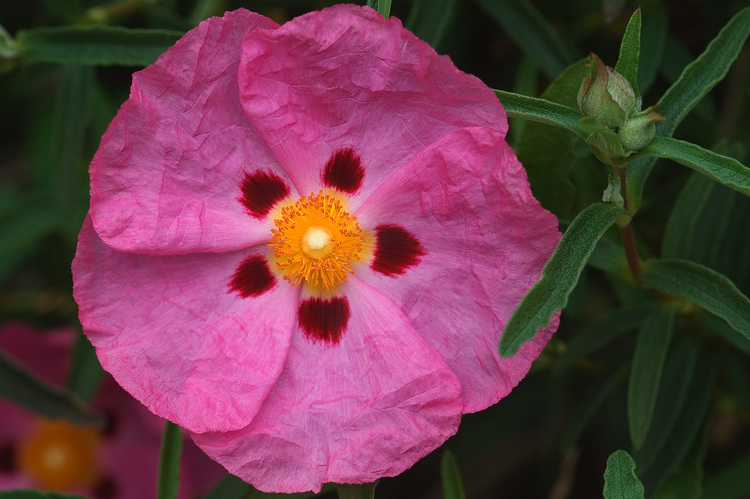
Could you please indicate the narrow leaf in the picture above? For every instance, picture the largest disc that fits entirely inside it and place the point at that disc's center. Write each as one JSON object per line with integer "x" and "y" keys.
{"x": 169, "y": 461}
{"x": 559, "y": 276}
{"x": 22, "y": 387}
{"x": 431, "y": 19}
{"x": 704, "y": 73}
{"x": 676, "y": 383}
{"x": 356, "y": 491}
{"x": 594, "y": 397}
{"x": 549, "y": 167}
{"x": 722, "y": 169}
{"x": 86, "y": 372}
{"x": 542, "y": 111}
{"x": 705, "y": 287}
{"x": 531, "y": 31}
{"x": 653, "y": 38}
{"x": 690, "y": 418}
{"x": 620, "y": 481}
{"x": 630, "y": 52}
{"x": 648, "y": 362}
{"x": 382, "y": 6}
{"x": 602, "y": 332}
{"x": 94, "y": 45}
{"x": 453, "y": 486}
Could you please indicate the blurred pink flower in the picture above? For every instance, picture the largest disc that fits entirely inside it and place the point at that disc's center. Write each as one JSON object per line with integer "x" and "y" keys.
{"x": 119, "y": 462}
{"x": 303, "y": 245}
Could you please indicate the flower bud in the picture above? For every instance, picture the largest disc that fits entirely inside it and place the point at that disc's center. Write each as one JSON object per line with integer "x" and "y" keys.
{"x": 606, "y": 95}
{"x": 639, "y": 129}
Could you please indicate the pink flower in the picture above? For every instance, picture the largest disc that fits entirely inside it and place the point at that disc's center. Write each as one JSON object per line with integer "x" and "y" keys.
{"x": 118, "y": 463}
{"x": 304, "y": 242}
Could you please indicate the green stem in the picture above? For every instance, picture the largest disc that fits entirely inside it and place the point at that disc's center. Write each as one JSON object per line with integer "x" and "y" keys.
{"x": 626, "y": 230}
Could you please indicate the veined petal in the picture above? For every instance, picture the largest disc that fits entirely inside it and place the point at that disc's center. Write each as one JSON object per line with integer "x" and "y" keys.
{"x": 367, "y": 406}
{"x": 173, "y": 332}
{"x": 356, "y": 82}
{"x": 167, "y": 178}
{"x": 484, "y": 238}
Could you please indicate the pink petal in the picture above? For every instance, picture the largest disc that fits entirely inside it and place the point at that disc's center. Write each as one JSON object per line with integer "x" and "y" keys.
{"x": 467, "y": 201}
{"x": 174, "y": 335}
{"x": 167, "y": 177}
{"x": 368, "y": 406}
{"x": 345, "y": 78}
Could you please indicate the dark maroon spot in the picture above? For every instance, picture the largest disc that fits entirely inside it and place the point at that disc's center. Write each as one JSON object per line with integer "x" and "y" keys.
{"x": 260, "y": 191}
{"x": 105, "y": 489}
{"x": 111, "y": 423}
{"x": 344, "y": 171}
{"x": 324, "y": 320}
{"x": 396, "y": 250}
{"x": 252, "y": 278}
{"x": 7, "y": 458}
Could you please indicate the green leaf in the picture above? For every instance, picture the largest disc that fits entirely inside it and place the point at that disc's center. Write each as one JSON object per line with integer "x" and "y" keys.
{"x": 453, "y": 485}
{"x": 203, "y": 9}
{"x": 70, "y": 10}
{"x": 686, "y": 481}
{"x": 430, "y": 20}
{"x": 541, "y": 111}
{"x": 94, "y": 45}
{"x": 86, "y": 373}
{"x": 648, "y": 362}
{"x": 731, "y": 482}
{"x": 230, "y": 487}
{"x": 609, "y": 257}
{"x": 630, "y": 52}
{"x": 356, "y": 491}
{"x": 549, "y": 167}
{"x": 36, "y": 494}
{"x": 602, "y": 332}
{"x": 382, "y": 6}
{"x": 19, "y": 385}
{"x": 722, "y": 169}
{"x": 559, "y": 276}
{"x": 531, "y": 31}
{"x": 585, "y": 409}
{"x": 680, "y": 414}
{"x": 705, "y": 287}
{"x": 168, "y": 481}
{"x": 704, "y": 73}
{"x": 8, "y": 47}
{"x": 23, "y": 225}
{"x": 653, "y": 38}
{"x": 683, "y": 231}
{"x": 676, "y": 382}
{"x": 620, "y": 481}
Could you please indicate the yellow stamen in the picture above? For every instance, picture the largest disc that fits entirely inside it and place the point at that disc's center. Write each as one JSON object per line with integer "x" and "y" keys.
{"x": 315, "y": 240}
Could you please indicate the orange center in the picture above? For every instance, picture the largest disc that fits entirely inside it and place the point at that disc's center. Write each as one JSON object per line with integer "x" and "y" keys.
{"x": 315, "y": 240}
{"x": 60, "y": 455}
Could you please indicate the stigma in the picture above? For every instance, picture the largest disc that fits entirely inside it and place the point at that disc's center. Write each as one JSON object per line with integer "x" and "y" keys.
{"x": 315, "y": 241}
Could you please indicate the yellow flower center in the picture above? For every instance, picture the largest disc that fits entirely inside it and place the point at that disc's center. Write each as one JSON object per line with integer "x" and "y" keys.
{"x": 315, "y": 240}
{"x": 60, "y": 456}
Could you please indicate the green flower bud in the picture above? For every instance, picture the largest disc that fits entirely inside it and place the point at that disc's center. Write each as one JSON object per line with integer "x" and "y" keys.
{"x": 639, "y": 129}
{"x": 606, "y": 95}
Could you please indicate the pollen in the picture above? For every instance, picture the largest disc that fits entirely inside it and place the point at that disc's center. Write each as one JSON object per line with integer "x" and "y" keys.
{"x": 316, "y": 241}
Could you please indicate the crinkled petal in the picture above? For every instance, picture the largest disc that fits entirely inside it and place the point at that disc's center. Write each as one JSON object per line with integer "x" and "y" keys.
{"x": 167, "y": 176}
{"x": 467, "y": 201}
{"x": 347, "y": 78}
{"x": 352, "y": 412}
{"x": 174, "y": 335}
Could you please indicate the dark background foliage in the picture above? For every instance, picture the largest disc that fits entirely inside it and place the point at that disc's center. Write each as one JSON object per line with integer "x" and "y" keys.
{"x": 551, "y": 436}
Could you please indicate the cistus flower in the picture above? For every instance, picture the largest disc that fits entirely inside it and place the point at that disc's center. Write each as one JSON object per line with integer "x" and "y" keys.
{"x": 119, "y": 461}
{"x": 304, "y": 242}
